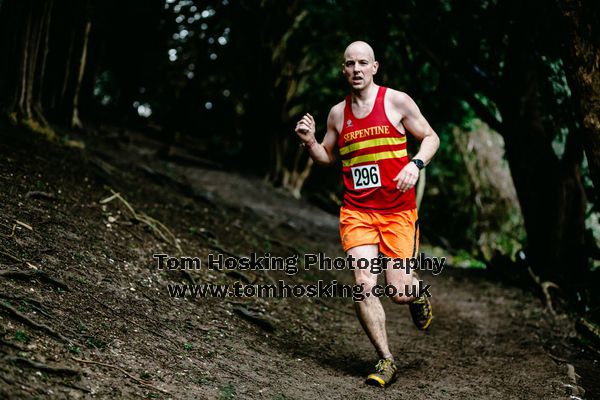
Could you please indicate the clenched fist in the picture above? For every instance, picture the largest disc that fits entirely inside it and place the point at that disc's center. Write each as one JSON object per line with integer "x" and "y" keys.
{"x": 305, "y": 128}
{"x": 407, "y": 177}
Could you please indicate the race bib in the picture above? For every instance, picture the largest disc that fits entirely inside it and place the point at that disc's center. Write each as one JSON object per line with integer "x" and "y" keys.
{"x": 366, "y": 176}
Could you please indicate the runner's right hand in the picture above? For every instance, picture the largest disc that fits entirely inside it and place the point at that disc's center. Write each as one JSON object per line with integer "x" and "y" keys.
{"x": 305, "y": 128}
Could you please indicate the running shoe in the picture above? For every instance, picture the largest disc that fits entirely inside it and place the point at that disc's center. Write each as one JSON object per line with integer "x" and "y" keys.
{"x": 385, "y": 372}
{"x": 421, "y": 312}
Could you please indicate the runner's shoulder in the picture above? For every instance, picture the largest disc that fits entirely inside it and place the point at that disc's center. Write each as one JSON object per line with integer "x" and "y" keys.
{"x": 338, "y": 110}
{"x": 399, "y": 99}
{"x": 336, "y": 115}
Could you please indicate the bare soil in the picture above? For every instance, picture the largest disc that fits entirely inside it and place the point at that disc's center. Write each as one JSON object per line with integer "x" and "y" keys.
{"x": 94, "y": 318}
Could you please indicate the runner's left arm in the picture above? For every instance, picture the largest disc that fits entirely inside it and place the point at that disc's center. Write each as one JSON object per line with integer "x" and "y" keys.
{"x": 417, "y": 125}
{"x": 322, "y": 153}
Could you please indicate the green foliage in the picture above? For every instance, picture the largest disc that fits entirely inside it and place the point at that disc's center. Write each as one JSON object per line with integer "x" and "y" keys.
{"x": 227, "y": 392}
{"x": 235, "y": 77}
{"x": 21, "y": 336}
{"x": 92, "y": 341}
{"x": 145, "y": 375}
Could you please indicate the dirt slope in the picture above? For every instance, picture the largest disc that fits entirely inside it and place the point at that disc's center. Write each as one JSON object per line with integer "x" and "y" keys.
{"x": 94, "y": 286}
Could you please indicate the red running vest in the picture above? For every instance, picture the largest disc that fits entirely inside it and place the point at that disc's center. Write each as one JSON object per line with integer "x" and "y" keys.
{"x": 373, "y": 152}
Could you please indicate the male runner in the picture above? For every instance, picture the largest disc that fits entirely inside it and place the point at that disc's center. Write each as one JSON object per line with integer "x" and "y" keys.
{"x": 379, "y": 212}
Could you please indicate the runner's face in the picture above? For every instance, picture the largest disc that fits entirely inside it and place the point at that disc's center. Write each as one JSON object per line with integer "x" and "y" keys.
{"x": 359, "y": 67}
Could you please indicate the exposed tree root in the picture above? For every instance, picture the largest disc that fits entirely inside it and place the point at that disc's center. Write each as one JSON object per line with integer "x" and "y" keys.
{"x": 546, "y": 290}
{"x": 25, "y": 319}
{"x": 53, "y": 369}
{"x": 35, "y": 304}
{"x": 36, "y": 274}
{"x": 136, "y": 380}
{"x": 36, "y": 194}
{"x": 74, "y": 386}
{"x": 572, "y": 388}
{"x": 545, "y": 286}
{"x": 13, "y": 345}
{"x": 12, "y": 257}
{"x": 589, "y": 330}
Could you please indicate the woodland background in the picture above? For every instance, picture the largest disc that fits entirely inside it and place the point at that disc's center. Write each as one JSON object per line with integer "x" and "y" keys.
{"x": 511, "y": 87}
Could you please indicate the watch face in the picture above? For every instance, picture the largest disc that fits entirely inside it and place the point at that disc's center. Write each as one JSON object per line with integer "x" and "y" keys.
{"x": 418, "y": 163}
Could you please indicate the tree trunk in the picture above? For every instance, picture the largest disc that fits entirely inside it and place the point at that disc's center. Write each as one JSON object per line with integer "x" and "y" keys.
{"x": 584, "y": 74}
{"x": 45, "y": 33}
{"x": 549, "y": 190}
{"x": 24, "y": 65}
{"x": 75, "y": 121}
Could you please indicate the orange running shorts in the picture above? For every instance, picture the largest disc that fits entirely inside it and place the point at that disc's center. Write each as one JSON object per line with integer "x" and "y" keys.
{"x": 396, "y": 233}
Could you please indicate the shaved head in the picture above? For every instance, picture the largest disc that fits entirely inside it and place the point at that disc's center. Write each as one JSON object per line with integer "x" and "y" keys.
{"x": 359, "y": 48}
{"x": 359, "y": 65}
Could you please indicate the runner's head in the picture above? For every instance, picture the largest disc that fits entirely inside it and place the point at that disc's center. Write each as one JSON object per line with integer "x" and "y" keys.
{"x": 359, "y": 65}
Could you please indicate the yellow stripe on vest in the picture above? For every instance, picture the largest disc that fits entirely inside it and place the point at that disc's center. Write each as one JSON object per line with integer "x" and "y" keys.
{"x": 374, "y": 157}
{"x": 372, "y": 143}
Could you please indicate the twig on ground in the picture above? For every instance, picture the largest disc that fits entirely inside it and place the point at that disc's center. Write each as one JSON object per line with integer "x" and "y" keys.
{"x": 137, "y": 380}
{"x": 24, "y": 225}
{"x": 12, "y": 233}
{"x": 156, "y": 226}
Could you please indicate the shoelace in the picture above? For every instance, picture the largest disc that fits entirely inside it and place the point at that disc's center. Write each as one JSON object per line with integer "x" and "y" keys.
{"x": 382, "y": 364}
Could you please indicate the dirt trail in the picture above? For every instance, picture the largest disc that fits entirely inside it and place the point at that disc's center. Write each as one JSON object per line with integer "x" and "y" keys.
{"x": 487, "y": 340}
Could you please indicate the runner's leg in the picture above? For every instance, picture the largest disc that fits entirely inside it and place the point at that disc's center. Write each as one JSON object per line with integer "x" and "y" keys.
{"x": 370, "y": 311}
{"x": 400, "y": 239}
{"x": 403, "y": 279}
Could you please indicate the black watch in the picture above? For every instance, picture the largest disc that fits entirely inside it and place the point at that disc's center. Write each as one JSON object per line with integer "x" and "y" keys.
{"x": 420, "y": 164}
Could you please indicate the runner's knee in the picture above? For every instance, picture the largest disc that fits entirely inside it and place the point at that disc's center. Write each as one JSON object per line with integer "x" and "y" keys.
{"x": 402, "y": 299}
{"x": 366, "y": 279}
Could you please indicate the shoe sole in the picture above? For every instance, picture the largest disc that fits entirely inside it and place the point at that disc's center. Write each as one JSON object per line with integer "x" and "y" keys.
{"x": 426, "y": 326}
{"x": 375, "y": 381}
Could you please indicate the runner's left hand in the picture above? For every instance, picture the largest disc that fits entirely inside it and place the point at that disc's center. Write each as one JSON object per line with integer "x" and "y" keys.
{"x": 407, "y": 177}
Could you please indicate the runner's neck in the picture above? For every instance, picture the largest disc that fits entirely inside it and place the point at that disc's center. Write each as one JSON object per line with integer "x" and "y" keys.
{"x": 365, "y": 96}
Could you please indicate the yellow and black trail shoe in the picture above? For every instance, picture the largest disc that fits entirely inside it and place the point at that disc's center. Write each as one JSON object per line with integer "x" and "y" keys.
{"x": 385, "y": 373}
{"x": 421, "y": 312}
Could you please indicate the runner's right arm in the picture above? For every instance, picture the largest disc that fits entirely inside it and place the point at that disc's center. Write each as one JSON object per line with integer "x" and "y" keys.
{"x": 323, "y": 153}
